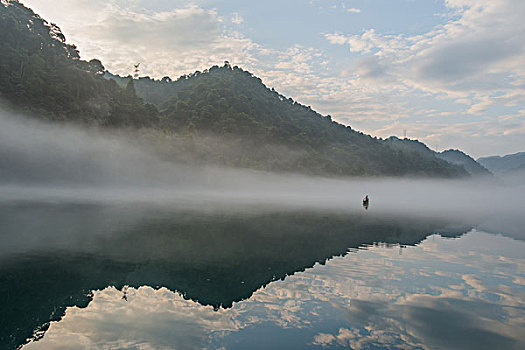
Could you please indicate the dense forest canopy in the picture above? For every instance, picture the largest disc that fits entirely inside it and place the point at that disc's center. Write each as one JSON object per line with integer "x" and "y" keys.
{"x": 222, "y": 116}
{"x": 233, "y": 104}
{"x": 43, "y": 75}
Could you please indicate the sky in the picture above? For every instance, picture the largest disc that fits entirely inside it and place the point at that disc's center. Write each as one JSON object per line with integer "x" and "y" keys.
{"x": 450, "y": 73}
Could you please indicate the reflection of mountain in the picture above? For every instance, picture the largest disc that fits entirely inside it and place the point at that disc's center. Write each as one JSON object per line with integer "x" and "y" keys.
{"x": 56, "y": 254}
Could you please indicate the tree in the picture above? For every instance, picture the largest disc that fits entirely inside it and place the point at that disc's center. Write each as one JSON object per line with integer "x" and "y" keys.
{"x": 130, "y": 88}
{"x": 96, "y": 67}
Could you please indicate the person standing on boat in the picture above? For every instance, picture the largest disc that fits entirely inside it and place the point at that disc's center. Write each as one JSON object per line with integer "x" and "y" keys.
{"x": 365, "y": 203}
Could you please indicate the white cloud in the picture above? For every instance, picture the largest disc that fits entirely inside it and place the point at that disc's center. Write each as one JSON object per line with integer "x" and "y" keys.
{"x": 172, "y": 42}
{"x": 237, "y": 19}
{"x": 478, "y": 52}
{"x": 354, "y": 10}
{"x": 336, "y": 38}
{"x": 475, "y": 58}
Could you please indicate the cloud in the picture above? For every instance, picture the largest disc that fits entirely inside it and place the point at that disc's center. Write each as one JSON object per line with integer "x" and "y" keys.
{"x": 172, "y": 42}
{"x": 237, "y": 19}
{"x": 448, "y": 63}
{"x": 372, "y": 68}
{"x": 484, "y": 42}
{"x": 474, "y": 58}
{"x": 354, "y": 10}
{"x": 336, "y": 38}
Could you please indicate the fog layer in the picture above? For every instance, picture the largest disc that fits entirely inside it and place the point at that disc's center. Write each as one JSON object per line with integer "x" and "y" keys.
{"x": 41, "y": 161}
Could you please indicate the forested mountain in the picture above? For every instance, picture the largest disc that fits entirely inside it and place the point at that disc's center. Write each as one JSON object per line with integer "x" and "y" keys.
{"x": 505, "y": 164}
{"x": 42, "y": 75}
{"x": 270, "y": 131}
{"x": 223, "y": 116}
{"x": 408, "y": 145}
{"x": 451, "y": 156}
{"x": 457, "y": 157}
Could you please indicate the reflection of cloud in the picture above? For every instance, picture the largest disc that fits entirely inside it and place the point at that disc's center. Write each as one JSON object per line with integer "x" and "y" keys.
{"x": 474, "y": 282}
{"x": 437, "y": 317}
{"x": 437, "y": 322}
{"x": 324, "y": 339}
{"x": 148, "y": 319}
{"x": 353, "y": 339}
{"x": 443, "y": 293}
{"x": 419, "y": 310}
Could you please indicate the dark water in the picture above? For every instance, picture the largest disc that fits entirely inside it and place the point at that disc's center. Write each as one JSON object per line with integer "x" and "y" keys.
{"x": 84, "y": 276}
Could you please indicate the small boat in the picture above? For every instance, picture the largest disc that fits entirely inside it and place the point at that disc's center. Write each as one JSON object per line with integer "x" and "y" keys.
{"x": 366, "y": 201}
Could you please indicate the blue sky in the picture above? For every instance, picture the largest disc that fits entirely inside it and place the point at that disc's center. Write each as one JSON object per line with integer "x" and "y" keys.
{"x": 449, "y": 72}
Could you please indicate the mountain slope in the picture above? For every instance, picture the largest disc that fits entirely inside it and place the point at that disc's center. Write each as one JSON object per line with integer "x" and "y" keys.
{"x": 457, "y": 157}
{"x": 454, "y": 157}
{"x": 44, "y": 76}
{"x": 271, "y": 131}
{"x": 222, "y": 116}
{"x": 504, "y": 164}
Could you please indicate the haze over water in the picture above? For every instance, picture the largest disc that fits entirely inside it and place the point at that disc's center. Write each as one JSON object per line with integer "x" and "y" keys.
{"x": 122, "y": 249}
{"x": 178, "y": 175}
{"x": 128, "y": 276}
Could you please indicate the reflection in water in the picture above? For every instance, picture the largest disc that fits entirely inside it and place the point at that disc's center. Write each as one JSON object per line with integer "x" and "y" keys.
{"x": 372, "y": 298}
{"x": 171, "y": 269}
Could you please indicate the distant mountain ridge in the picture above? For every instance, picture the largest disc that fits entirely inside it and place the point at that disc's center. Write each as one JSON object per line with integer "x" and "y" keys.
{"x": 504, "y": 164}
{"x": 458, "y": 157}
{"x": 222, "y": 116}
{"x": 451, "y": 156}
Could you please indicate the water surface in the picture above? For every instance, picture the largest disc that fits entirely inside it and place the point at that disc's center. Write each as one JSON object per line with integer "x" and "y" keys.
{"x": 78, "y": 275}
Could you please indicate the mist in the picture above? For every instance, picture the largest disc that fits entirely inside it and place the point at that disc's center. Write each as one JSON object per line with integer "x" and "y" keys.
{"x": 65, "y": 163}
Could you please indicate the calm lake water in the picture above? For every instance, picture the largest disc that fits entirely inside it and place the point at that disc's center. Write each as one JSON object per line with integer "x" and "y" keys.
{"x": 84, "y": 276}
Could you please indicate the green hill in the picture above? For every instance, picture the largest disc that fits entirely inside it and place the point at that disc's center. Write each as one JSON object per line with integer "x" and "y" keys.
{"x": 222, "y": 116}
{"x": 42, "y": 75}
{"x": 455, "y": 157}
{"x": 259, "y": 128}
